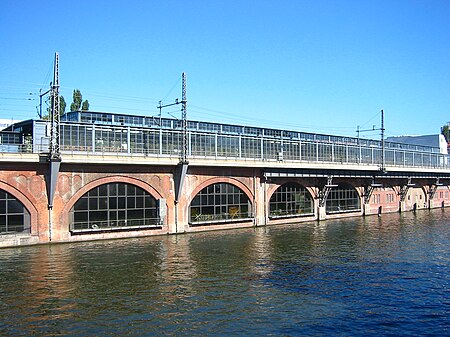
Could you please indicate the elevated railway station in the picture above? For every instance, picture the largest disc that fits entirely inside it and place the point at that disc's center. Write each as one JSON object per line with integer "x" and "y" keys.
{"x": 126, "y": 175}
{"x": 94, "y": 133}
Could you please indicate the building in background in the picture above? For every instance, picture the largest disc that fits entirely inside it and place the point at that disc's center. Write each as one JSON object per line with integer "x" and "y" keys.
{"x": 437, "y": 140}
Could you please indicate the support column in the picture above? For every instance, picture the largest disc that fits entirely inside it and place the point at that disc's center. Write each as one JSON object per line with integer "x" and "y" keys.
{"x": 432, "y": 192}
{"x": 181, "y": 221}
{"x": 260, "y": 201}
{"x": 322, "y": 196}
{"x": 321, "y": 213}
{"x": 366, "y": 209}
{"x": 368, "y": 190}
{"x": 403, "y": 193}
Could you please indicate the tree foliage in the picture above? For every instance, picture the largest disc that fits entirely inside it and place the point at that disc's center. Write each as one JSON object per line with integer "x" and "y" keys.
{"x": 62, "y": 107}
{"x": 446, "y": 132}
{"x": 85, "y": 106}
{"x": 77, "y": 100}
{"x": 77, "y": 104}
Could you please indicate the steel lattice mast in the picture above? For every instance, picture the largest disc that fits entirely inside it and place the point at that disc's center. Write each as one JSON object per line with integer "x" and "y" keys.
{"x": 54, "y": 154}
{"x": 54, "y": 150}
{"x": 184, "y": 118}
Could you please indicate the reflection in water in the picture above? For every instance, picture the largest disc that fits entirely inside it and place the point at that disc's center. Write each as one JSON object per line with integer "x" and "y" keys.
{"x": 34, "y": 285}
{"x": 374, "y": 275}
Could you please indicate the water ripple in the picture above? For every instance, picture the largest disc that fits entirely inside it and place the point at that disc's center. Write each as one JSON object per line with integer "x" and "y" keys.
{"x": 385, "y": 275}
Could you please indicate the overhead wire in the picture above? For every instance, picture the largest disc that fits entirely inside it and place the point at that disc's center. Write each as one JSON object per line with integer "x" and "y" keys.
{"x": 47, "y": 76}
{"x": 171, "y": 89}
{"x": 258, "y": 121}
{"x": 371, "y": 119}
{"x": 193, "y": 110}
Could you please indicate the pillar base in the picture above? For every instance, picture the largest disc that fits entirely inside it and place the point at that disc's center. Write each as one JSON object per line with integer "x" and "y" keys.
{"x": 321, "y": 213}
{"x": 366, "y": 209}
{"x": 402, "y": 207}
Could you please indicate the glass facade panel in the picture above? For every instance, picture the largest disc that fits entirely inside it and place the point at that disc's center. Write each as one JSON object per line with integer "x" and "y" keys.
{"x": 309, "y": 151}
{"x": 227, "y": 146}
{"x": 251, "y": 147}
{"x": 114, "y": 206}
{"x": 203, "y": 145}
{"x": 272, "y": 149}
{"x": 290, "y": 200}
{"x": 343, "y": 198}
{"x": 172, "y": 143}
{"x": 291, "y": 151}
{"x": 219, "y": 202}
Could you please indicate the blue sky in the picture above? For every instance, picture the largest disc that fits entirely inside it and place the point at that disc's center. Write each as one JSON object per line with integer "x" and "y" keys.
{"x": 316, "y": 66}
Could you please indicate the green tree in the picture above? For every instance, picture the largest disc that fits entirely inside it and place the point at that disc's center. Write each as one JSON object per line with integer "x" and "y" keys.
{"x": 78, "y": 103}
{"x": 62, "y": 107}
{"x": 85, "y": 106}
{"x": 446, "y": 132}
{"x": 77, "y": 100}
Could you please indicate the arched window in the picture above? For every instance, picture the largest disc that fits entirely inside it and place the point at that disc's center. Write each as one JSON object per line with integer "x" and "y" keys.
{"x": 290, "y": 200}
{"x": 343, "y": 198}
{"x": 114, "y": 206}
{"x": 14, "y": 217}
{"x": 220, "y": 202}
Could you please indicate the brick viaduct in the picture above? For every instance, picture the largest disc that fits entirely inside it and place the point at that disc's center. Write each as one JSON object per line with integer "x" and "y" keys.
{"x": 25, "y": 176}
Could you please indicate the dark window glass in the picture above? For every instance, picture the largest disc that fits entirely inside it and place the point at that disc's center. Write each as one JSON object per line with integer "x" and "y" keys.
{"x": 81, "y": 216}
{"x": 15, "y": 206}
{"x": 112, "y": 202}
{"x": 103, "y": 191}
{"x": 82, "y": 204}
{"x": 121, "y": 203}
{"x": 14, "y": 217}
{"x": 131, "y": 202}
{"x": 103, "y": 203}
{"x": 93, "y": 203}
{"x": 139, "y": 202}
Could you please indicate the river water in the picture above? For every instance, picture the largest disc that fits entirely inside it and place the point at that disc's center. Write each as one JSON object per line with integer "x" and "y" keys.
{"x": 372, "y": 276}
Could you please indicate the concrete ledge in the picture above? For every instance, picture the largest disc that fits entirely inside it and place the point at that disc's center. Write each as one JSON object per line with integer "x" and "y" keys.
{"x": 14, "y": 240}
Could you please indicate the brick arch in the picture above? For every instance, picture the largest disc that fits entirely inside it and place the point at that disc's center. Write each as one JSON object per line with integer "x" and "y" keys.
{"x": 343, "y": 184}
{"x": 103, "y": 181}
{"x": 273, "y": 188}
{"x": 64, "y": 218}
{"x": 28, "y": 204}
{"x": 244, "y": 188}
